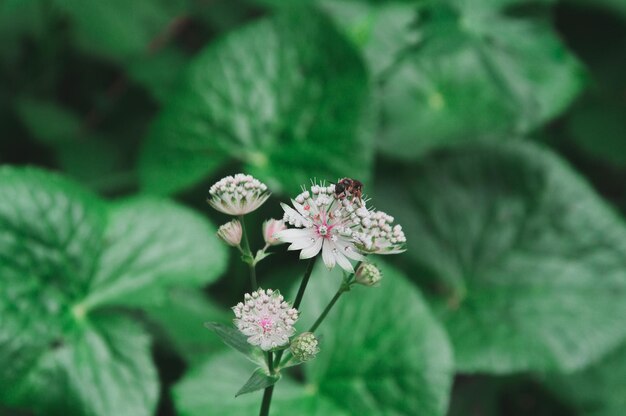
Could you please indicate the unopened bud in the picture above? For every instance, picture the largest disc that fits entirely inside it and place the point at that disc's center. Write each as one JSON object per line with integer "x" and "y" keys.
{"x": 368, "y": 275}
{"x": 271, "y": 227}
{"x": 304, "y": 347}
{"x": 230, "y": 233}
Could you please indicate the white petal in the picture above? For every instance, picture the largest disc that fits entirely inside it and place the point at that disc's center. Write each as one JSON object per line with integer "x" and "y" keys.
{"x": 303, "y": 243}
{"x": 313, "y": 250}
{"x": 348, "y": 250}
{"x": 291, "y": 235}
{"x": 292, "y": 212}
{"x": 343, "y": 262}
{"x": 327, "y": 254}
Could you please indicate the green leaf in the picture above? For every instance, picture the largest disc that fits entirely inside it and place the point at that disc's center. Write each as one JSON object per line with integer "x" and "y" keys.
{"x": 258, "y": 381}
{"x": 597, "y": 127}
{"x": 211, "y": 387}
{"x": 532, "y": 260}
{"x": 116, "y": 28}
{"x": 381, "y": 30}
{"x": 48, "y": 122}
{"x": 150, "y": 245}
{"x": 383, "y": 351}
{"x": 286, "y": 96}
{"x": 236, "y": 340}
{"x": 599, "y": 390}
{"x": 65, "y": 255}
{"x": 476, "y": 74}
{"x": 180, "y": 319}
{"x": 102, "y": 367}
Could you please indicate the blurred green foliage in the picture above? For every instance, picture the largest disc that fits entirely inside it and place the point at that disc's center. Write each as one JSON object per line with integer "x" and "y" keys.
{"x": 493, "y": 130}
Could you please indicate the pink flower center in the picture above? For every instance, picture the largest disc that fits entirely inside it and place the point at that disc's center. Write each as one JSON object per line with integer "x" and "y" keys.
{"x": 266, "y": 324}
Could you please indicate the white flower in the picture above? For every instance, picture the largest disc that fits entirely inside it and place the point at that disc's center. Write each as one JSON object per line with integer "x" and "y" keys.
{"x": 230, "y": 233}
{"x": 322, "y": 223}
{"x": 368, "y": 275}
{"x": 270, "y": 228}
{"x": 237, "y": 195}
{"x": 265, "y": 318}
{"x": 377, "y": 235}
{"x": 304, "y": 347}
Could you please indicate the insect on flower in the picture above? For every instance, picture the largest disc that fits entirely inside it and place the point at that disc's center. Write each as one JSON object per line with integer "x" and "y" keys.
{"x": 348, "y": 186}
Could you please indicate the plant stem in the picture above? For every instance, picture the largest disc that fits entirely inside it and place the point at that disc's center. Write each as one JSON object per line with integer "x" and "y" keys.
{"x": 270, "y": 362}
{"x": 305, "y": 281}
{"x": 296, "y": 303}
{"x": 343, "y": 288}
{"x": 267, "y": 394}
{"x": 267, "y": 399}
{"x": 248, "y": 253}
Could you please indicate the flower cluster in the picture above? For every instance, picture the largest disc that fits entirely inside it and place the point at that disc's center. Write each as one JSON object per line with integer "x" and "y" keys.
{"x": 322, "y": 222}
{"x": 265, "y": 318}
{"x": 378, "y": 235}
{"x": 237, "y": 195}
{"x": 341, "y": 227}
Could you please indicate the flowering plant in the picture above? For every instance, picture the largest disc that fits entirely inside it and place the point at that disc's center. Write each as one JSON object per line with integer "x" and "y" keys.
{"x": 327, "y": 221}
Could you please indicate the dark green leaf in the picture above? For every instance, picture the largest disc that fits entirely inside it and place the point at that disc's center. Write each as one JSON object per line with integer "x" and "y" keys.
{"x": 48, "y": 122}
{"x": 599, "y": 390}
{"x": 258, "y": 381}
{"x": 532, "y": 260}
{"x": 285, "y": 95}
{"x": 383, "y": 351}
{"x": 476, "y": 74}
{"x": 119, "y": 29}
{"x": 211, "y": 387}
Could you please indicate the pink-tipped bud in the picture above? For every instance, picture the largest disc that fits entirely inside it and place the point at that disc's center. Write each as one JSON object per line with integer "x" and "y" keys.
{"x": 230, "y": 233}
{"x": 271, "y": 227}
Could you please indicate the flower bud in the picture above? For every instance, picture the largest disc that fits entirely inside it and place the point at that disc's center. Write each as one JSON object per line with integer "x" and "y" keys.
{"x": 304, "y": 346}
{"x": 230, "y": 233}
{"x": 368, "y": 275}
{"x": 271, "y": 227}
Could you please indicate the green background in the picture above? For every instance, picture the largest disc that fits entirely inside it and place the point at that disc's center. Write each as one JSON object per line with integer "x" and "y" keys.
{"x": 494, "y": 131}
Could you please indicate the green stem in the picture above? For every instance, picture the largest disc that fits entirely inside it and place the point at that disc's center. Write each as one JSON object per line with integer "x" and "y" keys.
{"x": 267, "y": 400}
{"x": 305, "y": 281}
{"x": 267, "y": 394}
{"x": 345, "y": 286}
{"x": 248, "y": 253}
{"x": 296, "y": 303}
{"x": 270, "y": 362}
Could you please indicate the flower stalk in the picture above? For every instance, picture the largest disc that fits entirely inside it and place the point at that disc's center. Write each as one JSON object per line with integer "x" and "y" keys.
{"x": 247, "y": 254}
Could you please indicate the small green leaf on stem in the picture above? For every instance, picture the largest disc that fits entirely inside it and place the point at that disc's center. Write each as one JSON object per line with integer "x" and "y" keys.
{"x": 258, "y": 380}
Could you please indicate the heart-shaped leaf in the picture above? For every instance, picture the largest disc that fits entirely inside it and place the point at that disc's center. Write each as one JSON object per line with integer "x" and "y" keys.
{"x": 65, "y": 256}
{"x": 532, "y": 260}
{"x": 285, "y": 95}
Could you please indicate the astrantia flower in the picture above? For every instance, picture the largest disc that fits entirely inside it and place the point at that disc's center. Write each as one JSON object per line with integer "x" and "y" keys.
{"x": 237, "y": 195}
{"x": 265, "y": 318}
{"x": 377, "y": 234}
{"x": 322, "y": 223}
